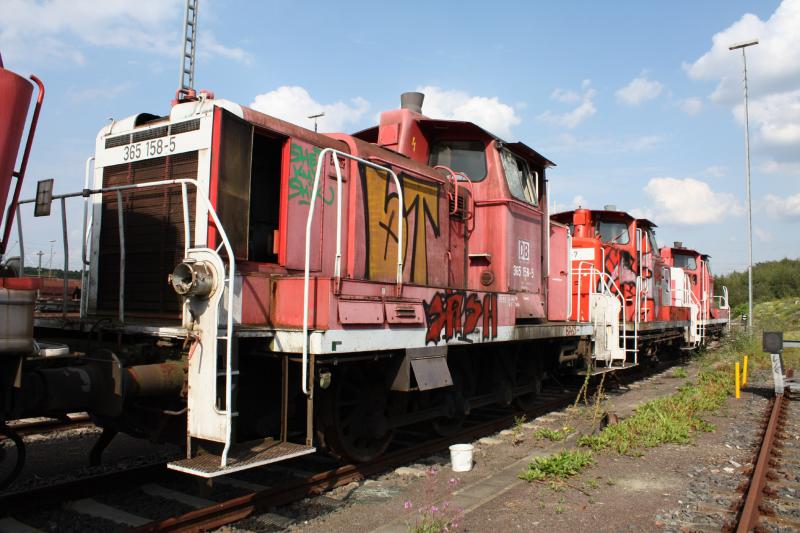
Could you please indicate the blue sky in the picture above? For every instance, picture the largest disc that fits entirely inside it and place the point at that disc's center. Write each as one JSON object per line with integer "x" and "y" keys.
{"x": 638, "y": 103}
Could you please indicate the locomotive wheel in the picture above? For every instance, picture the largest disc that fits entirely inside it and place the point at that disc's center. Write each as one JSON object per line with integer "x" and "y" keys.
{"x": 463, "y": 387}
{"x": 12, "y": 436}
{"x": 354, "y": 415}
{"x": 527, "y": 370}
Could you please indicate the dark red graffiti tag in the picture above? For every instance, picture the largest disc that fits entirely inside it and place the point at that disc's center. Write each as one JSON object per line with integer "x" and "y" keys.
{"x": 455, "y": 315}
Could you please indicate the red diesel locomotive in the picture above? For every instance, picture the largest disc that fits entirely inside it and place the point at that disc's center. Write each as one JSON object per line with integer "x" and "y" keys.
{"x": 257, "y": 290}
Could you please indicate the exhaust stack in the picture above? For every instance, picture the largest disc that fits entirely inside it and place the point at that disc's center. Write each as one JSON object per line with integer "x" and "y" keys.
{"x": 412, "y": 101}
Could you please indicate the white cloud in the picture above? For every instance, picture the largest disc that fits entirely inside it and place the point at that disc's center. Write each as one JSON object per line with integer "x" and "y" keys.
{"x": 40, "y": 30}
{"x": 773, "y": 68}
{"x": 714, "y": 171}
{"x": 571, "y": 143}
{"x": 639, "y": 90}
{"x": 691, "y": 106}
{"x": 763, "y": 235}
{"x": 782, "y": 208}
{"x": 294, "y": 104}
{"x": 564, "y": 96}
{"x": 688, "y": 201}
{"x": 571, "y": 119}
{"x": 774, "y": 167}
{"x": 487, "y": 112}
{"x": 577, "y": 201}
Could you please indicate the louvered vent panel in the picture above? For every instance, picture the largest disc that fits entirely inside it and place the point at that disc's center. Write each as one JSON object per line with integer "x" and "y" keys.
{"x": 153, "y": 223}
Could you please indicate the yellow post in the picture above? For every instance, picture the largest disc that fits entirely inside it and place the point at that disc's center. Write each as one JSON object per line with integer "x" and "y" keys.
{"x": 744, "y": 372}
{"x": 737, "y": 379}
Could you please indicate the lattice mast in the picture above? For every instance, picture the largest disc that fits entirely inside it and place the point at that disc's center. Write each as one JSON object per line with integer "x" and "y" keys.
{"x": 186, "y": 82}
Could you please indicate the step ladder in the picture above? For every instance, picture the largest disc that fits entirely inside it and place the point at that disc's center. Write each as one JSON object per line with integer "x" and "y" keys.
{"x": 607, "y": 314}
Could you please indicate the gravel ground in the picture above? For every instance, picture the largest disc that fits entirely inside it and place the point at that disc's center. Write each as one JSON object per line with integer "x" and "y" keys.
{"x": 669, "y": 488}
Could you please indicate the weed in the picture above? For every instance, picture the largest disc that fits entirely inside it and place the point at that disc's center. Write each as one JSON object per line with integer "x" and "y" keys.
{"x": 559, "y": 466}
{"x": 592, "y": 483}
{"x": 554, "y": 435}
{"x": 671, "y": 419}
{"x": 559, "y": 509}
{"x": 680, "y": 372}
{"x": 434, "y": 518}
{"x": 517, "y": 431}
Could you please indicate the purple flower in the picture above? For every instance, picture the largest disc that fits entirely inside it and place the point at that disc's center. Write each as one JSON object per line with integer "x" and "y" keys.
{"x": 452, "y": 482}
{"x": 434, "y": 509}
{"x": 407, "y": 504}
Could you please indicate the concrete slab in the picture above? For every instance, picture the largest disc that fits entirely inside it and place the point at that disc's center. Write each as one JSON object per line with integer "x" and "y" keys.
{"x": 91, "y": 507}
{"x": 168, "y": 494}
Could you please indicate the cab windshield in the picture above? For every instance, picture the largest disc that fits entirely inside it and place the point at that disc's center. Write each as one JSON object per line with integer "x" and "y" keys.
{"x": 521, "y": 181}
{"x": 613, "y": 232}
{"x": 686, "y": 261}
{"x": 468, "y": 157}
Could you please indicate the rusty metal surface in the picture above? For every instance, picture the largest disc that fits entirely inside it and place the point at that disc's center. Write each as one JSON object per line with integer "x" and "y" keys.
{"x": 154, "y": 230}
{"x": 241, "y": 457}
{"x": 749, "y": 517}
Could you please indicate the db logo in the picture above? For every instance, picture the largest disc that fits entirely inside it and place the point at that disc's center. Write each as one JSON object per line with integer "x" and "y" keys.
{"x": 524, "y": 250}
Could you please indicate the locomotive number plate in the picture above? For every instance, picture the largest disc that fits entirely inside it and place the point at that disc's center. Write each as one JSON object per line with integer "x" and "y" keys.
{"x": 147, "y": 149}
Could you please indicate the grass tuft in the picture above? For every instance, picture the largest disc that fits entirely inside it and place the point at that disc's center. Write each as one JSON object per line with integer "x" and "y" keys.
{"x": 560, "y": 466}
{"x": 672, "y": 419}
{"x": 555, "y": 435}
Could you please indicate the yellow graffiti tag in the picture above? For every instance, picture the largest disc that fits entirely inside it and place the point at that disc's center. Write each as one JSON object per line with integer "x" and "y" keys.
{"x": 421, "y": 201}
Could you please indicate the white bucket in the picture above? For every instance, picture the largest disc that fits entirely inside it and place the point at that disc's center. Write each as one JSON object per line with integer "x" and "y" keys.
{"x": 461, "y": 457}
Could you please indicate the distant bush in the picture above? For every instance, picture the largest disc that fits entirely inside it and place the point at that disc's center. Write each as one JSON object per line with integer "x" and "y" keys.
{"x": 772, "y": 280}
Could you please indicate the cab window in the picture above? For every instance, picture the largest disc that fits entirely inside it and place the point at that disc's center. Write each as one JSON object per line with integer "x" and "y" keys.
{"x": 685, "y": 261}
{"x": 613, "y": 232}
{"x": 468, "y": 157}
{"x": 521, "y": 181}
{"x": 651, "y": 240}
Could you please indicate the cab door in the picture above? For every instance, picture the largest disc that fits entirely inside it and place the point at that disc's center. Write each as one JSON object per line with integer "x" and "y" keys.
{"x": 525, "y": 268}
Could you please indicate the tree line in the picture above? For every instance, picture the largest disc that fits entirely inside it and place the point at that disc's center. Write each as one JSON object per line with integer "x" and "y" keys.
{"x": 772, "y": 280}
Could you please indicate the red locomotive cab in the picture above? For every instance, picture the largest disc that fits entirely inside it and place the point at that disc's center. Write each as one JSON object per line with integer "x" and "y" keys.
{"x": 691, "y": 263}
{"x": 497, "y": 197}
{"x": 603, "y": 247}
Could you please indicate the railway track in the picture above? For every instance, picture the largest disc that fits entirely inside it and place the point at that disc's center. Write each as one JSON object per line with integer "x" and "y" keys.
{"x": 238, "y": 497}
{"x": 44, "y": 426}
{"x": 771, "y": 502}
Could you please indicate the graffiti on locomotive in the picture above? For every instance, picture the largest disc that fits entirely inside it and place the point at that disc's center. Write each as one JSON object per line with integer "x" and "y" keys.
{"x": 458, "y": 315}
{"x": 420, "y": 223}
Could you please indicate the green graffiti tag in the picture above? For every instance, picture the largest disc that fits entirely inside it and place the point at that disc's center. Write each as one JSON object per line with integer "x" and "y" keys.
{"x": 301, "y": 182}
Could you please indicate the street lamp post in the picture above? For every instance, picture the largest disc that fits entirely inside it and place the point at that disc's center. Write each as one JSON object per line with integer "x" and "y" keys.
{"x": 743, "y": 46}
{"x": 315, "y": 117}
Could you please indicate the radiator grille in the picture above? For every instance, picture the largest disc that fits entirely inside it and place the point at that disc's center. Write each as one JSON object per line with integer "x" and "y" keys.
{"x": 153, "y": 223}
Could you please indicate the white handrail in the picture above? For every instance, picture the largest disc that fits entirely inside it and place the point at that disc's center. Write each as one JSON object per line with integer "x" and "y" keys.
{"x": 338, "y": 259}
{"x": 203, "y": 195}
{"x": 87, "y": 217}
{"x": 586, "y": 268}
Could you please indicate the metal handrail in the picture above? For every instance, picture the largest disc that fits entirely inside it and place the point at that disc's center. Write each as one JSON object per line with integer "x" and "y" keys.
{"x": 338, "y": 260}
{"x": 586, "y": 268}
{"x": 201, "y": 193}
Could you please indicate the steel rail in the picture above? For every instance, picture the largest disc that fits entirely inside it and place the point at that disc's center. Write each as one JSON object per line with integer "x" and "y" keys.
{"x": 750, "y": 514}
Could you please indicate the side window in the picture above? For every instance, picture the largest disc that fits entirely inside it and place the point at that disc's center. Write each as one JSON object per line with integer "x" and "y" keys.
{"x": 613, "y": 232}
{"x": 468, "y": 157}
{"x": 522, "y": 182}
{"x": 651, "y": 239}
